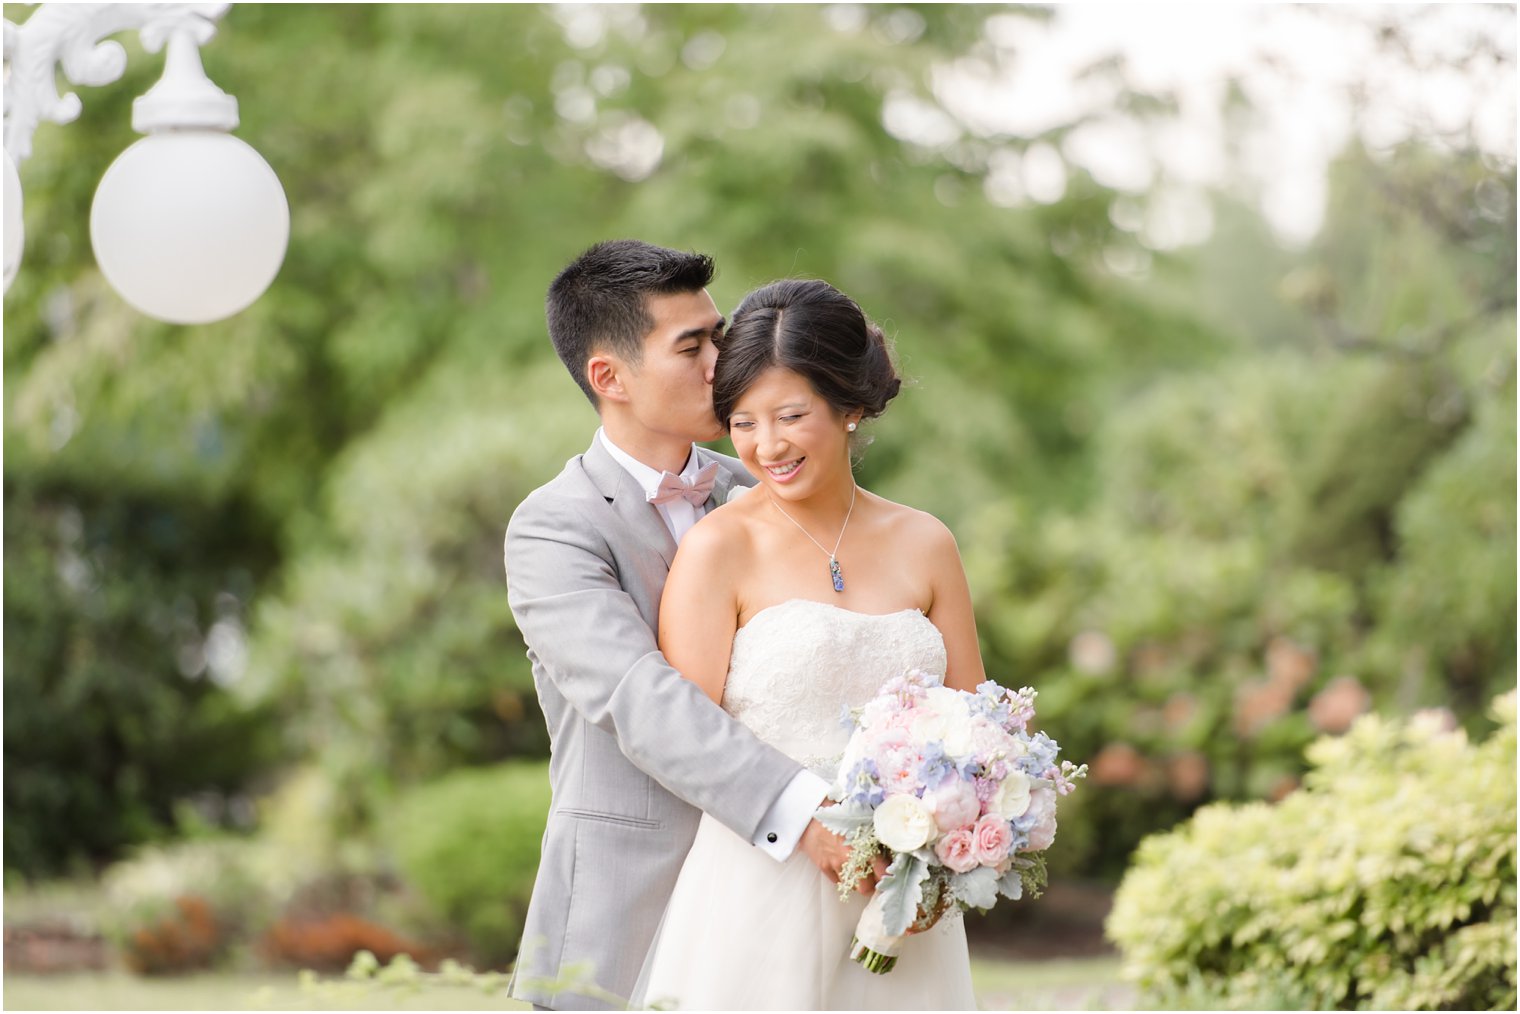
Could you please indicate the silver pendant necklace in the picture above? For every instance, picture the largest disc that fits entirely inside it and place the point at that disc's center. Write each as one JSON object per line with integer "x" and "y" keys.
{"x": 835, "y": 574}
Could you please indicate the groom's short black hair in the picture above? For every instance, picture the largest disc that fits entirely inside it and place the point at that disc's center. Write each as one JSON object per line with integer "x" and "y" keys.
{"x": 598, "y": 302}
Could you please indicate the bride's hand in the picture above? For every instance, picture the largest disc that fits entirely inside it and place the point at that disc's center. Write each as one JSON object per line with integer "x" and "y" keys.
{"x": 825, "y": 848}
{"x": 927, "y": 922}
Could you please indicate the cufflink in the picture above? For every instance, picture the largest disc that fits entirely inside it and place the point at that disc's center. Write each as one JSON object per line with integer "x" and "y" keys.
{"x": 771, "y": 837}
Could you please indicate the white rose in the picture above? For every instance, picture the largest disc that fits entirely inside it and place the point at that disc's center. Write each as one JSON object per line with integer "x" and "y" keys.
{"x": 1012, "y": 797}
{"x": 903, "y": 823}
{"x": 939, "y": 694}
{"x": 928, "y": 725}
{"x": 954, "y": 723}
{"x": 958, "y": 742}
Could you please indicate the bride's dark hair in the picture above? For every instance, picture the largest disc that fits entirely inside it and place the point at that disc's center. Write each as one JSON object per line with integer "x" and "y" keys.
{"x": 811, "y": 328}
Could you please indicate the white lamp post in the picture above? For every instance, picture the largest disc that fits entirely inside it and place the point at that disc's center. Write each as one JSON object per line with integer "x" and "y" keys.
{"x": 189, "y": 224}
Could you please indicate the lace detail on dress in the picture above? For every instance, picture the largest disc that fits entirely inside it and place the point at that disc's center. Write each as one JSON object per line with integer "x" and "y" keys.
{"x": 798, "y": 667}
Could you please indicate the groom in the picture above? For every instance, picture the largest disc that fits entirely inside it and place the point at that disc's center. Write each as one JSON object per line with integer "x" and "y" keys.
{"x": 637, "y": 750}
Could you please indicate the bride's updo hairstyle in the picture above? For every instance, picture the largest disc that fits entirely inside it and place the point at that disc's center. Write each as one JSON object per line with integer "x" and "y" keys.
{"x": 810, "y": 328}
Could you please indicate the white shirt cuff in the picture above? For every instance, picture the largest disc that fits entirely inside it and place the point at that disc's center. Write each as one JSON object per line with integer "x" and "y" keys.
{"x": 788, "y": 817}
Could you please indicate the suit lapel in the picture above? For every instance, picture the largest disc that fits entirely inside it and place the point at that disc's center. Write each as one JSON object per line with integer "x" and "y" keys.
{"x": 627, "y": 500}
{"x": 722, "y": 483}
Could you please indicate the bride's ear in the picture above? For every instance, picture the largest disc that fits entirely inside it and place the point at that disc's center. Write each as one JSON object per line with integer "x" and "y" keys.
{"x": 852, "y": 419}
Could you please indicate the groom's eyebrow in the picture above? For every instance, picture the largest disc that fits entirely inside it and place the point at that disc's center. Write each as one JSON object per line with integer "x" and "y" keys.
{"x": 698, "y": 332}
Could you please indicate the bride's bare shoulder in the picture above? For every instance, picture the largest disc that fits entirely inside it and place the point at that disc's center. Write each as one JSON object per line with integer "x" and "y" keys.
{"x": 913, "y": 526}
{"x": 723, "y": 531}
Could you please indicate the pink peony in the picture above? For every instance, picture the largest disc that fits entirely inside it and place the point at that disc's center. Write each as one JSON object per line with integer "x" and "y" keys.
{"x": 989, "y": 741}
{"x": 957, "y": 850}
{"x": 898, "y": 768}
{"x": 954, "y": 803}
{"x": 1042, "y": 804}
{"x": 993, "y": 840}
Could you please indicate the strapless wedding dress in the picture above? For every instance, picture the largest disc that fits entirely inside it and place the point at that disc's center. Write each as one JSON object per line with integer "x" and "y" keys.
{"x": 743, "y": 932}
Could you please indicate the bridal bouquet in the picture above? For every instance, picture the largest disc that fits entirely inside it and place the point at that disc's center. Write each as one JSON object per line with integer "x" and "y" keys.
{"x": 953, "y": 788}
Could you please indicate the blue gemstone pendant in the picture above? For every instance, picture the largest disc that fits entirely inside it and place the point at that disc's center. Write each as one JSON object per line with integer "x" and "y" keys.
{"x": 836, "y": 574}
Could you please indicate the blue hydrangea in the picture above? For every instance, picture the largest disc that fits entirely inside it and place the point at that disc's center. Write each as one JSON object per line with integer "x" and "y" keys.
{"x": 990, "y": 701}
{"x": 936, "y": 765}
{"x": 863, "y": 784}
{"x": 1042, "y": 754}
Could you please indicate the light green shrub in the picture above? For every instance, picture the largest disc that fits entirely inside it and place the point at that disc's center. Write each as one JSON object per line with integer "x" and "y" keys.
{"x": 1388, "y": 881}
{"x": 469, "y": 843}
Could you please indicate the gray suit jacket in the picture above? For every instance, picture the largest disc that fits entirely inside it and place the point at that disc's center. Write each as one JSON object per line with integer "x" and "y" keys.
{"x": 636, "y": 749}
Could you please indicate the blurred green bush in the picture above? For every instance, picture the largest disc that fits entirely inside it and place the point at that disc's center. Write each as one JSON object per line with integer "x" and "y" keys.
{"x": 1277, "y": 543}
{"x": 113, "y": 712}
{"x": 468, "y": 843}
{"x": 1387, "y": 882}
{"x": 294, "y": 894}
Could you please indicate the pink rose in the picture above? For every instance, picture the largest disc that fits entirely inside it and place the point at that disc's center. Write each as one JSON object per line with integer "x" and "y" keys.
{"x": 1042, "y": 804}
{"x": 957, "y": 850}
{"x": 993, "y": 839}
{"x": 954, "y": 804}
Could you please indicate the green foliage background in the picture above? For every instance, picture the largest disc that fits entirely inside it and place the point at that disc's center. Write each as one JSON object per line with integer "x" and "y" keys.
{"x": 1387, "y": 884}
{"x": 1191, "y": 499}
{"x": 469, "y": 843}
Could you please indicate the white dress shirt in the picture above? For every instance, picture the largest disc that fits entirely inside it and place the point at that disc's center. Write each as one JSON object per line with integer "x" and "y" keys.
{"x": 788, "y": 817}
{"x": 679, "y": 514}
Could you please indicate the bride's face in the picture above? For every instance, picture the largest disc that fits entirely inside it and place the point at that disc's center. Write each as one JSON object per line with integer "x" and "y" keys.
{"x": 790, "y": 437}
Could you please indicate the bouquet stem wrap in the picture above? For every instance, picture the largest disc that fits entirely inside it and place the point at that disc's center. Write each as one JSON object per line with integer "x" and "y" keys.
{"x": 873, "y": 946}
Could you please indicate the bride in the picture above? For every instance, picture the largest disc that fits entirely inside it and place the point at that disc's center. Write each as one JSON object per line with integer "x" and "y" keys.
{"x": 787, "y": 606}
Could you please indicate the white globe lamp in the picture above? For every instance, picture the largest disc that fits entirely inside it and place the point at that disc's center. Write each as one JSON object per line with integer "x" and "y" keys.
{"x": 189, "y": 224}
{"x": 14, "y": 233}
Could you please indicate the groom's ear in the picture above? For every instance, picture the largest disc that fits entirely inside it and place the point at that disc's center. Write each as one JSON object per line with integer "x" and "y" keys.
{"x": 605, "y": 375}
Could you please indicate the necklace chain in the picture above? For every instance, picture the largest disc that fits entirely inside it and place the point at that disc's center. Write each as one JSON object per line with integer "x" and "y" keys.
{"x": 835, "y": 574}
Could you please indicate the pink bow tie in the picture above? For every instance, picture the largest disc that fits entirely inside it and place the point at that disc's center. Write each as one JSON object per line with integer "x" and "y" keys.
{"x": 696, "y": 491}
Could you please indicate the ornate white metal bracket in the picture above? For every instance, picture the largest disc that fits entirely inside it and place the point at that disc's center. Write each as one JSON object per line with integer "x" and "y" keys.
{"x": 71, "y": 36}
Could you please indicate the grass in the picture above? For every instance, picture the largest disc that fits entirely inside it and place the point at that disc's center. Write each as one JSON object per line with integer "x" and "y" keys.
{"x": 245, "y": 991}
{"x": 1055, "y": 984}
{"x": 1067, "y": 984}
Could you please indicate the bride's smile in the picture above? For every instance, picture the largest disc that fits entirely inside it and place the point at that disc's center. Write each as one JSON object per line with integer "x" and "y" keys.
{"x": 793, "y": 440}
{"x": 785, "y": 471}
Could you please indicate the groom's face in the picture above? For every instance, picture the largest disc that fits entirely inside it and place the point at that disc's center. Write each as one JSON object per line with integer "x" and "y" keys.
{"x": 670, "y": 391}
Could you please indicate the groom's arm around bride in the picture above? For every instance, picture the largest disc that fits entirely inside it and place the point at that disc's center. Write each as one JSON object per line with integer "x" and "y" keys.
{"x": 636, "y": 748}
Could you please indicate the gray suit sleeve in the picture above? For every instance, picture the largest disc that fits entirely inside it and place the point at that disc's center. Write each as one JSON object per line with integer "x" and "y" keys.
{"x": 589, "y": 638}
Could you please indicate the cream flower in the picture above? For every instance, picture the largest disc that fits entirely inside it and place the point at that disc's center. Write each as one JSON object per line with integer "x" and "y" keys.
{"x": 949, "y": 719}
{"x": 903, "y": 823}
{"x": 1012, "y": 797}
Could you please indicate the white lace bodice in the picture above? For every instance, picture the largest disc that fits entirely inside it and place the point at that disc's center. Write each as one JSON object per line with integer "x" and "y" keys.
{"x": 798, "y": 666}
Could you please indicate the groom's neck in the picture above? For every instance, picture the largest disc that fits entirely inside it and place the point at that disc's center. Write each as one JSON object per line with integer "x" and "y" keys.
{"x": 660, "y": 451}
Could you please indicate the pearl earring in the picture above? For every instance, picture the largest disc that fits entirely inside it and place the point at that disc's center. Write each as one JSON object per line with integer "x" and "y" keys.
{"x": 851, "y": 427}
